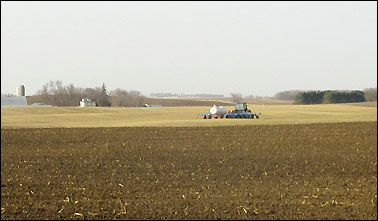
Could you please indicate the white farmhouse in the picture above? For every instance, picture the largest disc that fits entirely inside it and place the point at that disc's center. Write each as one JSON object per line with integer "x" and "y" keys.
{"x": 87, "y": 102}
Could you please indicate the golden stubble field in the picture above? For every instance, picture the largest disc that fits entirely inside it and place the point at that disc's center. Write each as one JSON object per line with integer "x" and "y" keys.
{"x": 48, "y": 117}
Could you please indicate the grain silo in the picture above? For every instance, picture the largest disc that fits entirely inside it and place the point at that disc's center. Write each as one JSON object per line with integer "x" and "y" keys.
{"x": 20, "y": 91}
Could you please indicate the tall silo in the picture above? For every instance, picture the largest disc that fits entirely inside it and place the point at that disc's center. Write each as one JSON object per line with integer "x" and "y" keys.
{"x": 20, "y": 91}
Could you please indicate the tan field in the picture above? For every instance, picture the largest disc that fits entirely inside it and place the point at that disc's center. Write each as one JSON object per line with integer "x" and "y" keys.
{"x": 49, "y": 117}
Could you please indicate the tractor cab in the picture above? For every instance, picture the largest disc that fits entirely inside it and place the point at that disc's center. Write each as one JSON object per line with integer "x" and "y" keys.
{"x": 241, "y": 107}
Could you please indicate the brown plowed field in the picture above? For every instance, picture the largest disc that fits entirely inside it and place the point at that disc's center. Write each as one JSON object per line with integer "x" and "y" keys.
{"x": 308, "y": 171}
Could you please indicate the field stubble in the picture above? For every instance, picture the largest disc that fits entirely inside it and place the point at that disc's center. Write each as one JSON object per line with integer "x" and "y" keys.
{"x": 49, "y": 117}
{"x": 305, "y": 171}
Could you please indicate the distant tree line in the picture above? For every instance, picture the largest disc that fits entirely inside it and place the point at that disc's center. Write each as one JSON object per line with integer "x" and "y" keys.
{"x": 343, "y": 97}
{"x": 185, "y": 95}
{"x": 257, "y": 97}
{"x": 309, "y": 97}
{"x": 56, "y": 94}
{"x": 236, "y": 97}
{"x": 329, "y": 96}
{"x": 122, "y": 98}
{"x": 163, "y": 95}
{"x": 370, "y": 94}
{"x": 286, "y": 95}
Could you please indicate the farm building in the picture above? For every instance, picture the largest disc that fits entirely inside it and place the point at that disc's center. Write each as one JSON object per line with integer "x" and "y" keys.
{"x": 41, "y": 104}
{"x": 87, "y": 102}
{"x": 152, "y": 105}
{"x": 13, "y": 101}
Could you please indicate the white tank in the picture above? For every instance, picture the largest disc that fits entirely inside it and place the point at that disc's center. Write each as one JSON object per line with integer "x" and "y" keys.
{"x": 20, "y": 91}
{"x": 218, "y": 110}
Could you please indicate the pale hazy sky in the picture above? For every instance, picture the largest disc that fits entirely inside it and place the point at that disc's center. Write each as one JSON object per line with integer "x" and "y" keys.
{"x": 257, "y": 48}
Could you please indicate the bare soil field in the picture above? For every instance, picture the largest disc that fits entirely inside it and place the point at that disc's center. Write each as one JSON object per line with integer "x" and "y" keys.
{"x": 303, "y": 171}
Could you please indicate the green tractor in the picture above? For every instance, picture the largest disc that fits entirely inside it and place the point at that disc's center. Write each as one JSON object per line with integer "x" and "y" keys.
{"x": 241, "y": 108}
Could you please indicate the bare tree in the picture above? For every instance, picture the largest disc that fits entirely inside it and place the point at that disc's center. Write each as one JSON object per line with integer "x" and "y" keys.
{"x": 286, "y": 95}
{"x": 370, "y": 94}
{"x": 56, "y": 94}
{"x": 119, "y": 98}
{"x": 122, "y": 98}
{"x": 236, "y": 97}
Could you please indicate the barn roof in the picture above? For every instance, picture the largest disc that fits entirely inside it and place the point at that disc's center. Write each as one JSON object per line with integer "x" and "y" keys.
{"x": 13, "y": 101}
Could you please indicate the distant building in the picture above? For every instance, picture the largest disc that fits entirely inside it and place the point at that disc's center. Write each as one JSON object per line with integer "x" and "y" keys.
{"x": 13, "y": 101}
{"x": 152, "y": 105}
{"x": 87, "y": 102}
{"x": 41, "y": 104}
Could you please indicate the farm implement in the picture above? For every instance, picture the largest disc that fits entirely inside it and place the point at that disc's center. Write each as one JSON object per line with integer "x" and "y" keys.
{"x": 240, "y": 111}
